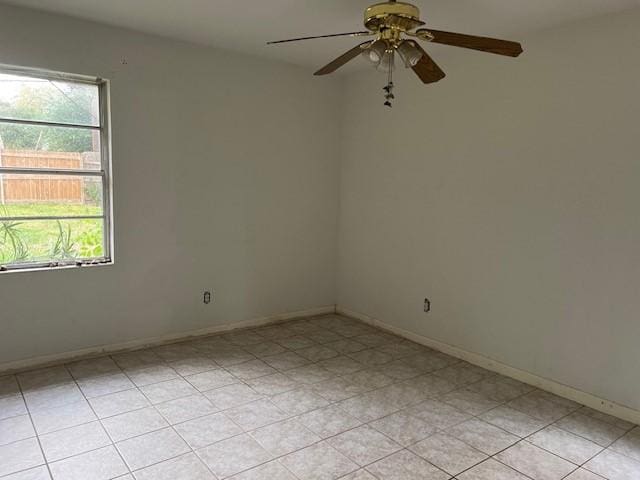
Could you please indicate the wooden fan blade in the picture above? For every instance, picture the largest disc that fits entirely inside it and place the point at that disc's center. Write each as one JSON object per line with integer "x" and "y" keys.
{"x": 343, "y": 59}
{"x": 427, "y": 69}
{"x": 351, "y": 34}
{"x": 483, "y": 44}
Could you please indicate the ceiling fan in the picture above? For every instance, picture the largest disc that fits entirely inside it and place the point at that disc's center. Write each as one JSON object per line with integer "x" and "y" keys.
{"x": 396, "y": 28}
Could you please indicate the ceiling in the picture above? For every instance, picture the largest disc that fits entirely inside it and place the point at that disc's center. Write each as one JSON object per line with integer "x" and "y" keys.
{"x": 245, "y": 25}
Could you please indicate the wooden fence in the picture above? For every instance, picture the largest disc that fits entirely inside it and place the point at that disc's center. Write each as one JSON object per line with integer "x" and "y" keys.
{"x": 43, "y": 188}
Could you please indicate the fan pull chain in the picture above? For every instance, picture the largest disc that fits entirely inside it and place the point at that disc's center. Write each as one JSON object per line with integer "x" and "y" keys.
{"x": 389, "y": 88}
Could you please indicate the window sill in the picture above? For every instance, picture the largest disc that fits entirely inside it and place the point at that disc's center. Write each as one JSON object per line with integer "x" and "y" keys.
{"x": 48, "y": 268}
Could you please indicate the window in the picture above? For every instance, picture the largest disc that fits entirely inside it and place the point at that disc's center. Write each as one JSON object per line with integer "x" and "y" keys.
{"x": 55, "y": 199}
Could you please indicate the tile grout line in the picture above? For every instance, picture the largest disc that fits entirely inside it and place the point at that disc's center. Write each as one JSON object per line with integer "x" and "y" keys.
{"x": 478, "y": 418}
{"x": 249, "y": 432}
{"x": 326, "y": 439}
{"x": 35, "y": 431}
{"x": 541, "y": 448}
{"x": 292, "y": 417}
{"x": 99, "y": 419}
{"x": 523, "y": 439}
{"x": 394, "y": 381}
{"x": 336, "y": 404}
{"x": 243, "y": 430}
{"x": 170, "y": 426}
{"x": 329, "y": 437}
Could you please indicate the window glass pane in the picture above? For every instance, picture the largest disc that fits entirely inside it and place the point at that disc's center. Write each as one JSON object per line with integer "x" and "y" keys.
{"x": 33, "y": 207}
{"x": 30, "y": 98}
{"x": 37, "y": 241}
{"x": 49, "y": 195}
{"x": 35, "y": 146}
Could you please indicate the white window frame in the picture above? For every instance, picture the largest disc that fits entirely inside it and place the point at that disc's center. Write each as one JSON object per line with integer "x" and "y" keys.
{"x": 104, "y": 173}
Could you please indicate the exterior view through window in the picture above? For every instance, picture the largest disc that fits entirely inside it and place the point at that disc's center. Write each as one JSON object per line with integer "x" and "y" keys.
{"x": 55, "y": 206}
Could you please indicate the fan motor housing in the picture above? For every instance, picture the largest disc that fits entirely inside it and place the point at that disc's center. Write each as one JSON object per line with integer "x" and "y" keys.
{"x": 407, "y": 16}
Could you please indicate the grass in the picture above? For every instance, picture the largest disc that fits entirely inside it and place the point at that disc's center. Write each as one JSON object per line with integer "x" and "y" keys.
{"x": 48, "y": 210}
{"x": 49, "y": 240}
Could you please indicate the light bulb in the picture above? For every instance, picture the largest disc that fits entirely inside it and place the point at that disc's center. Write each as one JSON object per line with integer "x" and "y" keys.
{"x": 387, "y": 63}
{"x": 409, "y": 53}
{"x": 375, "y": 52}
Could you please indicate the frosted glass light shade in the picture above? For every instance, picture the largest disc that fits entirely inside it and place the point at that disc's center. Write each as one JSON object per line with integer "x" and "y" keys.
{"x": 409, "y": 53}
{"x": 375, "y": 52}
{"x": 388, "y": 62}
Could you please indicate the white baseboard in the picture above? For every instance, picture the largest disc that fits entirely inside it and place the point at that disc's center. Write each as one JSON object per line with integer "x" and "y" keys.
{"x": 604, "y": 406}
{"x": 92, "y": 352}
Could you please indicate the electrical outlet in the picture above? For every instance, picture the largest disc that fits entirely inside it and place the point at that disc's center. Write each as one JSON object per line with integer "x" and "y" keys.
{"x": 207, "y": 298}
{"x": 427, "y": 305}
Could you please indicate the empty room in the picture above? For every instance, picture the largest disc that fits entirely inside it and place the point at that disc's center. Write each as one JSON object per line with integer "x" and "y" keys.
{"x": 319, "y": 240}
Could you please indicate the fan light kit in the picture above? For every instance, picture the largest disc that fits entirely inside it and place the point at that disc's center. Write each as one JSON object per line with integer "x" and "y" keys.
{"x": 396, "y": 26}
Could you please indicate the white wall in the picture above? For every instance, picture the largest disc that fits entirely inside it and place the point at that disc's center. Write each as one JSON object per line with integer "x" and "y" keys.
{"x": 509, "y": 194}
{"x": 225, "y": 171}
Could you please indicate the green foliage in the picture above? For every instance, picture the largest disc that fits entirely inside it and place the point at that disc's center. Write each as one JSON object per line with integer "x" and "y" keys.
{"x": 63, "y": 248}
{"x": 49, "y": 240}
{"x": 50, "y": 210}
{"x": 48, "y": 104}
{"x": 91, "y": 242}
{"x": 93, "y": 193}
{"x": 52, "y": 139}
{"x": 13, "y": 248}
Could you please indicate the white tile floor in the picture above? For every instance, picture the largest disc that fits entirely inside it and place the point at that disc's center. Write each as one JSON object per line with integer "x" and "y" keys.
{"x": 315, "y": 399}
